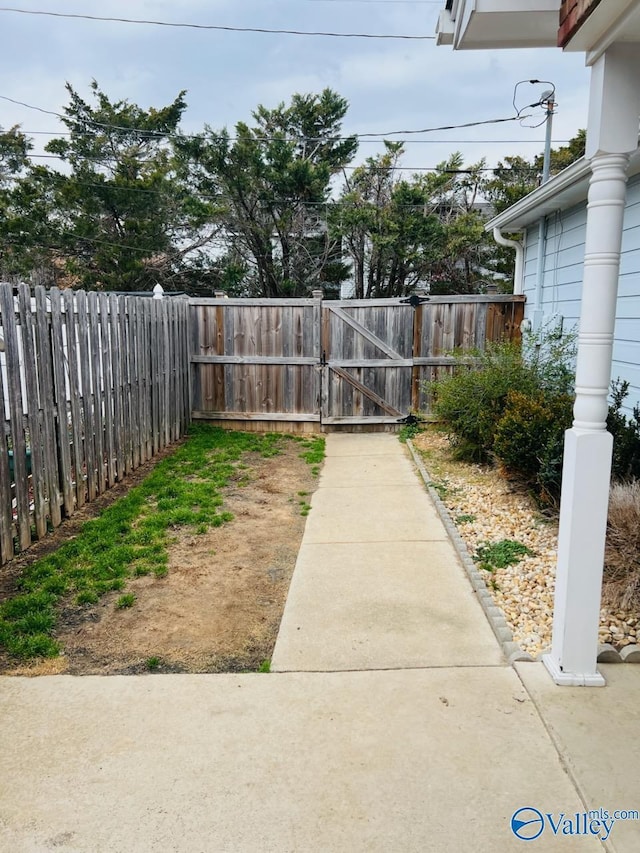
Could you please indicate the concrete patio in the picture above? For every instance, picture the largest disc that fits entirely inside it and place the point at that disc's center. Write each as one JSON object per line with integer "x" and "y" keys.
{"x": 390, "y": 721}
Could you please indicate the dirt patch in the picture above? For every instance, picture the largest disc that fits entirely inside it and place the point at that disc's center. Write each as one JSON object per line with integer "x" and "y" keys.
{"x": 220, "y": 605}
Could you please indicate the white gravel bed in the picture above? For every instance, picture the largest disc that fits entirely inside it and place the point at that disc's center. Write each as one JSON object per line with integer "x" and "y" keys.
{"x": 486, "y": 508}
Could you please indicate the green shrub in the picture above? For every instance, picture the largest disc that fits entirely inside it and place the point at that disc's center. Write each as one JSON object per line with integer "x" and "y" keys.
{"x": 472, "y": 400}
{"x": 529, "y": 439}
{"x": 549, "y": 479}
{"x": 528, "y": 424}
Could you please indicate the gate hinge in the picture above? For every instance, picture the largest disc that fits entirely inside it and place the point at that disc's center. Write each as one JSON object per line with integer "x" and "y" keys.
{"x": 411, "y": 420}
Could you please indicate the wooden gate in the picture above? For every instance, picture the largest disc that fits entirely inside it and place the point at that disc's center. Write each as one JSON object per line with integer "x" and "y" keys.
{"x": 367, "y": 358}
{"x": 333, "y": 362}
{"x": 256, "y": 359}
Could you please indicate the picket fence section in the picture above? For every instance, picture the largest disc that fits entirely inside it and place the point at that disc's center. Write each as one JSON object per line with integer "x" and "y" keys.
{"x": 92, "y": 386}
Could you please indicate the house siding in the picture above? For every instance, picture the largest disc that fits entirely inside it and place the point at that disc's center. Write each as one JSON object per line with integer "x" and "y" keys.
{"x": 562, "y": 282}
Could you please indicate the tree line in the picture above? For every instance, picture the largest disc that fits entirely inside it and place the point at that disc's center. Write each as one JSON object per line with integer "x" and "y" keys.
{"x": 273, "y": 208}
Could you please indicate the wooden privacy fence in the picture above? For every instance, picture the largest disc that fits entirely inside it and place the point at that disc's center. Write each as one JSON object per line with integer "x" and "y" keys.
{"x": 92, "y": 386}
{"x": 334, "y": 362}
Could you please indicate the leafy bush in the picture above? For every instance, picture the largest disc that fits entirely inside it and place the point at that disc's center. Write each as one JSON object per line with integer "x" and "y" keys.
{"x": 622, "y": 554}
{"x": 472, "y": 400}
{"x": 528, "y": 425}
{"x": 529, "y": 439}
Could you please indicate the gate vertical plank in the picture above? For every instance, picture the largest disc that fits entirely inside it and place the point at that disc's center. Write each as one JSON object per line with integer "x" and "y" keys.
{"x": 16, "y": 408}
{"x": 45, "y": 375}
{"x": 75, "y": 397}
{"x": 416, "y": 352}
{"x": 288, "y": 380}
{"x": 219, "y": 394}
{"x": 325, "y": 380}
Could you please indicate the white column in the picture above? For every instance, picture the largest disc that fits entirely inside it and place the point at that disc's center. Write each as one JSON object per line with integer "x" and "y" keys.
{"x": 612, "y": 132}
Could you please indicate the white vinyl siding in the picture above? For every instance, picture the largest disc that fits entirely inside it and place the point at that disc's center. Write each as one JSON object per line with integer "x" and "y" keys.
{"x": 562, "y": 281}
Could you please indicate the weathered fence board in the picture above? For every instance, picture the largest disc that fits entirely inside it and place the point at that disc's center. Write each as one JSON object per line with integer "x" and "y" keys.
{"x": 75, "y": 398}
{"x": 348, "y": 362}
{"x": 32, "y": 414}
{"x": 91, "y": 386}
{"x": 16, "y": 414}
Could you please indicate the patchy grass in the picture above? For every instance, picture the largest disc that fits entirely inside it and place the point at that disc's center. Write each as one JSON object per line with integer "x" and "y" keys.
{"x": 130, "y": 538}
{"x": 408, "y": 431}
{"x": 313, "y": 452}
{"x": 499, "y": 555}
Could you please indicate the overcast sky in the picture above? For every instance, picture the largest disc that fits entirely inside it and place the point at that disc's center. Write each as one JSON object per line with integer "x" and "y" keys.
{"x": 390, "y": 85}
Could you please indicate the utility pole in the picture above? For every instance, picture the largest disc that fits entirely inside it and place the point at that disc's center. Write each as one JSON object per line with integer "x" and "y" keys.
{"x": 549, "y": 101}
{"x": 550, "y": 104}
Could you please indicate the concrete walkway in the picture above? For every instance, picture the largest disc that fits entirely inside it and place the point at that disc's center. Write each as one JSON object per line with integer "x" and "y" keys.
{"x": 391, "y": 725}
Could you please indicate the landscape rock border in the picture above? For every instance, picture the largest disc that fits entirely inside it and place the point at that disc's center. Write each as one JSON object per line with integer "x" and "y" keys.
{"x": 512, "y": 651}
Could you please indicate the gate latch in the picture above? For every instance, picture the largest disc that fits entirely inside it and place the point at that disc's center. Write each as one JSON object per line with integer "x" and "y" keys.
{"x": 323, "y": 359}
{"x": 414, "y": 300}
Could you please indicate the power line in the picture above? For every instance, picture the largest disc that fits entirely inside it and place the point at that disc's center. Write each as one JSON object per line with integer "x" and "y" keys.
{"x": 163, "y": 135}
{"x": 368, "y": 141}
{"x": 221, "y": 198}
{"x": 217, "y": 27}
{"x": 106, "y": 160}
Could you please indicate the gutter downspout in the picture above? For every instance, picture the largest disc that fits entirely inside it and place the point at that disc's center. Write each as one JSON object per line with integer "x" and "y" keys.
{"x": 518, "y": 273}
{"x": 542, "y": 250}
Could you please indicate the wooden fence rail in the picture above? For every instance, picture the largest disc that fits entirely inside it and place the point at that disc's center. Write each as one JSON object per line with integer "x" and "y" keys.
{"x": 92, "y": 386}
